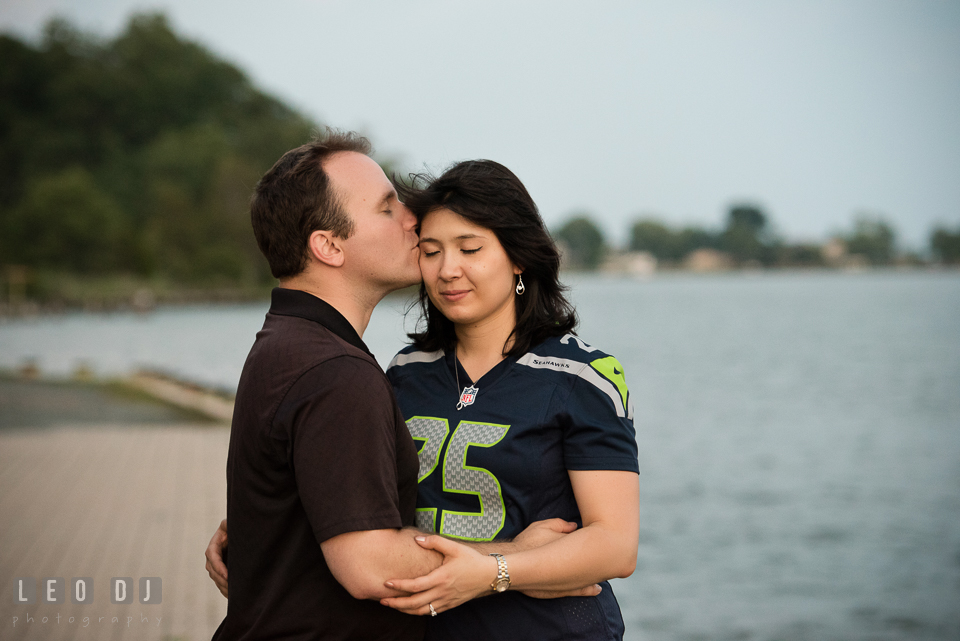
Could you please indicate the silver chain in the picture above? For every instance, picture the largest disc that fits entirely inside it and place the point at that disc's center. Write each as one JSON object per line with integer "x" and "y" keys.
{"x": 456, "y": 371}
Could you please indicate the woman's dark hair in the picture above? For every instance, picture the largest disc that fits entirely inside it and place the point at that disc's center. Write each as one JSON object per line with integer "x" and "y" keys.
{"x": 489, "y": 195}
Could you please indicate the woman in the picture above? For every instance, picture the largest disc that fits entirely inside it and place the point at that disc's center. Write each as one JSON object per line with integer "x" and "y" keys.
{"x": 517, "y": 419}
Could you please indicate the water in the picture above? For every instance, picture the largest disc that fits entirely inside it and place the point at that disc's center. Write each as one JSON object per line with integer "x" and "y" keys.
{"x": 799, "y": 439}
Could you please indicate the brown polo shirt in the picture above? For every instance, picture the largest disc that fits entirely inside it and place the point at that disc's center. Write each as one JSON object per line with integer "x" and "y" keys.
{"x": 317, "y": 448}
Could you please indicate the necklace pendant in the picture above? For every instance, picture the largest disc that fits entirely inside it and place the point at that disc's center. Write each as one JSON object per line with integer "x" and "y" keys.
{"x": 467, "y": 397}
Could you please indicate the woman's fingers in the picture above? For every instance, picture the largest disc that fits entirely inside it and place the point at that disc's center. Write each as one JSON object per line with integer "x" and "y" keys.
{"x": 417, "y": 585}
{"x": 416, "y": 604}
{"x": 214, "y": 554}
{"x": 444, "y": 546}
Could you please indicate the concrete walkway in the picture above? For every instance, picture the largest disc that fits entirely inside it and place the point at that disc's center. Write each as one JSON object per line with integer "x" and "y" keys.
{"x": 112, "y": 501}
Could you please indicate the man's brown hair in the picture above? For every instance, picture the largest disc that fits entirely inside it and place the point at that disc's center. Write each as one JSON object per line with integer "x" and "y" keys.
{"x": 295, "y": 199}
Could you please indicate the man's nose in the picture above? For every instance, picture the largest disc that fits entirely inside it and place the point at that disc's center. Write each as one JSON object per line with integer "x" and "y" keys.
{"x": 409, "y": 220}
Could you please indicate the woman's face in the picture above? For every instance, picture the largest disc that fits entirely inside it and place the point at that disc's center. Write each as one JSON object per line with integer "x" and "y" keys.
{"x": 466, "y": 271}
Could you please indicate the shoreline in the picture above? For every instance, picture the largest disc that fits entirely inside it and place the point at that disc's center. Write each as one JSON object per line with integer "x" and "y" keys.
{"x": 28, "y": 400}
{"x": 147, "y": 303}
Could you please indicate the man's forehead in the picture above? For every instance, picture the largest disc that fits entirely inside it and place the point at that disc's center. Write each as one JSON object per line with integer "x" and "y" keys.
{"x": 356, "y": 175}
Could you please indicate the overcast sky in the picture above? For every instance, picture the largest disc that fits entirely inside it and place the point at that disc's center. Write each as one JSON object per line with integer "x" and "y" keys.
{"x": 815, "y": 110}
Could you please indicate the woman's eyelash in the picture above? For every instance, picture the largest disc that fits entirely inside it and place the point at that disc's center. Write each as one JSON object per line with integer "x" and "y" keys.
{"x": 471, "y": 251}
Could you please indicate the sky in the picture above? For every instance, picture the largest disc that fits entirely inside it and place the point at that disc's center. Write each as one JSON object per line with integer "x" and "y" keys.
{"x": 815, "y": 110}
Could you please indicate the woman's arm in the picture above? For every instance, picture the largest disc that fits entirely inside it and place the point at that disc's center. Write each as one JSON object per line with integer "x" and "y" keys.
{"x": 604, "y": 548}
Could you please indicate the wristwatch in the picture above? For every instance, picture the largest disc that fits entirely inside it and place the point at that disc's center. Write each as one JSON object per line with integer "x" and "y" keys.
{"x": 502, "y": 582}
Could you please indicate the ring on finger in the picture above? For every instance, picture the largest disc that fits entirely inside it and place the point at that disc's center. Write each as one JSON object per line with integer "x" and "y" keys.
{"x": 433, "y": 612}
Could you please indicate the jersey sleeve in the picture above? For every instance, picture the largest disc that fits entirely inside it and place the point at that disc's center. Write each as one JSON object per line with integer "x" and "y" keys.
{"x": 598, "y": 425}
{"x": 344, "y": 448}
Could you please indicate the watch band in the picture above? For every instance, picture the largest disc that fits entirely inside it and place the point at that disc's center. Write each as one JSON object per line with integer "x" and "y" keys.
{"x": 502, "y": 582}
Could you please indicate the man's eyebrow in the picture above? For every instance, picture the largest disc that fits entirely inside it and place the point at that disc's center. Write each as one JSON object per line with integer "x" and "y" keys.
{"x": 392, "y": 194}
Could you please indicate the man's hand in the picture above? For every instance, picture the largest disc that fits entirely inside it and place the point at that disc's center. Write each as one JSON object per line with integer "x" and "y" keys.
{"x": 215, "y": 565}
{"x": 539, "y": 533}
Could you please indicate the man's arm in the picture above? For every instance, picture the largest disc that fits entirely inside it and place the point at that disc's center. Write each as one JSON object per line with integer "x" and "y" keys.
{"x": 363, "y": 561}
{"x": 606, "y": 547}
{"x": 356, "y": 558}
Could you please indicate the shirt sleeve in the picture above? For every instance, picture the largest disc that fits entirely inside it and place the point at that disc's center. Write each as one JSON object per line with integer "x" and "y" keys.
{"x": 598, "y": 435}
{"x": 344, "y": 447}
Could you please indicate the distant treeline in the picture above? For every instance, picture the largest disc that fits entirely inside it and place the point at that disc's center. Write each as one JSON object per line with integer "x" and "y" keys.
{"x": 133, "y": 160}
{"x": 748, "y": 240}
{"x": 135, "y": 155}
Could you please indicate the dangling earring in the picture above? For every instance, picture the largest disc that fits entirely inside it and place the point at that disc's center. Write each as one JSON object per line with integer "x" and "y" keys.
{"x": 520, "y": 287}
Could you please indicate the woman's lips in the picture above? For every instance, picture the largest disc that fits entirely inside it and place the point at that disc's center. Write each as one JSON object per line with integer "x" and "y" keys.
{"x": 455, "y": 294}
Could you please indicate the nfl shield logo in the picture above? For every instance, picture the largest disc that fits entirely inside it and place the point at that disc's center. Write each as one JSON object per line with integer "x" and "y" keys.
{"x": 468, "y": 396}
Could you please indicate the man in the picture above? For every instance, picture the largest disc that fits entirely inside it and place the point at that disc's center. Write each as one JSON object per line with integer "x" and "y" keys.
{"x": 321, "y": 471}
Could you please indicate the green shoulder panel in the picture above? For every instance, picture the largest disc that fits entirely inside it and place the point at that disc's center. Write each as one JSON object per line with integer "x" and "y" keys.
{"x": 611, "y": 369}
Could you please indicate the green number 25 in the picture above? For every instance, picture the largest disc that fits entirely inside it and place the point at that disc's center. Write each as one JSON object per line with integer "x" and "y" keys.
{"x": 460, "y": 478}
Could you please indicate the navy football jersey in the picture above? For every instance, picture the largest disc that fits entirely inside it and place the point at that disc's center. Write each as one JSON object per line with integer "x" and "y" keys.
{"x": 494, "y": 456}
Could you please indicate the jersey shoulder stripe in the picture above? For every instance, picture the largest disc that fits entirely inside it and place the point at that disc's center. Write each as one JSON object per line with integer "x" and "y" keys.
{"x": 570, "y": 356}
{"x": 410, "y": 355}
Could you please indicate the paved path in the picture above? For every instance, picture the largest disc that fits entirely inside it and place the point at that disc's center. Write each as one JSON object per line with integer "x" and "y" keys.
{"x": 112, "y": 501}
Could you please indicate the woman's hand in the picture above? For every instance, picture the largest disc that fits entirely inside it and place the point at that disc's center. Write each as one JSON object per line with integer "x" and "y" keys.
{"x": 216, "y": 568}
{"x": 465, "y": 574}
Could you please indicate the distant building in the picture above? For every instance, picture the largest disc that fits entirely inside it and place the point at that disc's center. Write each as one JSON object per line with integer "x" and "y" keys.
{"x": 632, "y": 263}
{"x": 707, "y": 260}
{"x": 834, "y": 252}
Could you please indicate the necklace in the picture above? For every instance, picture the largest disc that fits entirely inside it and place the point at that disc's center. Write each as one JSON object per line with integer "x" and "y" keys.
{"x": 469, "y": 394}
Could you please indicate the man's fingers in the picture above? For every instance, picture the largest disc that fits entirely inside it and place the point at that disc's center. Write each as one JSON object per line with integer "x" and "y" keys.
{"x": 590, "y": 590}
{"x": 559, "y": 525}
{"x": 567, "y": 526}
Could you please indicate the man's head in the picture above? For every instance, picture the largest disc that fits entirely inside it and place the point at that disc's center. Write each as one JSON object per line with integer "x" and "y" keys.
{"x": 295, "y": 198}
{"x": 329, "y": 203}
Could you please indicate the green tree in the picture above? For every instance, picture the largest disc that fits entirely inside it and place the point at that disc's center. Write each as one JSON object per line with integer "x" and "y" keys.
{"x": 653, "y": 236}
{"x": 692, "y": 238}
{"x": 873, "y": 238}
{"x": 945, "y": 245}
{"x": 744, "y": 237}
{"x": 148, "y": 133}
{"x": 583, "y": 241}
{"x": 66, "y": 222}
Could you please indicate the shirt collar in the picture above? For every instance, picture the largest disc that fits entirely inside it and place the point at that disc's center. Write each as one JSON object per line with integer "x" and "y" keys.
{"x": 294, "y": 302}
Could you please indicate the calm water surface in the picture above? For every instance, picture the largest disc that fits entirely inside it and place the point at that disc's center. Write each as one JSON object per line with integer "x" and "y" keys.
{"x": 799, "y": 439}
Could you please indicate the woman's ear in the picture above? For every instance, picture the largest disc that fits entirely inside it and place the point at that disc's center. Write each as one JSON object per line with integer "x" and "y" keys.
{"x": 325, "y": 247}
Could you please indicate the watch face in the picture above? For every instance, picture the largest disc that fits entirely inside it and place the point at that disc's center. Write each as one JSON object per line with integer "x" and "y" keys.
{"x": 502, "y": 585}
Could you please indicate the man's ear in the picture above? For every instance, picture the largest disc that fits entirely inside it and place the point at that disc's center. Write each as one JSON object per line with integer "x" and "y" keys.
{"x": 325, "y": 247}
